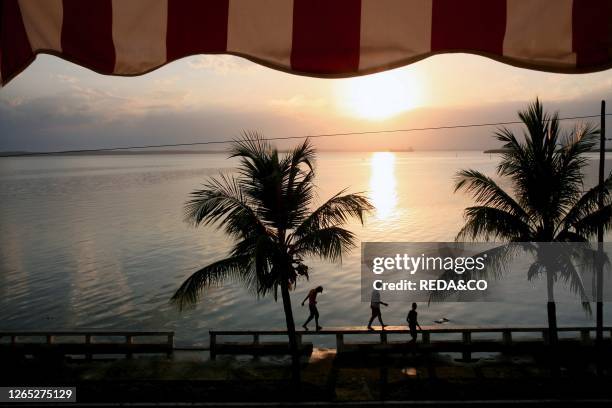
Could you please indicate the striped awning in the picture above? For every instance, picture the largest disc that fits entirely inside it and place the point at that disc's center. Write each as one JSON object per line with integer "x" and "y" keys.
{"x": 327, "y": 38}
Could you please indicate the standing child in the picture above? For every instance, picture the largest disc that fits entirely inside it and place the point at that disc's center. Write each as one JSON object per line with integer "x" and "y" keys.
{"x": 413, "y": 323}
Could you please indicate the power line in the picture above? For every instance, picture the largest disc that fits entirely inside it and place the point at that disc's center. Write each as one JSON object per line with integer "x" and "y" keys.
{"x": 214, "y": 142}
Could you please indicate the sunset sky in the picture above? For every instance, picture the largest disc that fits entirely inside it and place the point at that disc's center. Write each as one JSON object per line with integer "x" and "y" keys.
{"x": 57, "y": 105}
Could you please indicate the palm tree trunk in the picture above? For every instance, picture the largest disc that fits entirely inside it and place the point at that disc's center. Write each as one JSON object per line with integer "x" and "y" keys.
{"x": 293, "y": 347}
{"x": 552, "y": 323}
{"x": 552, "y": 311}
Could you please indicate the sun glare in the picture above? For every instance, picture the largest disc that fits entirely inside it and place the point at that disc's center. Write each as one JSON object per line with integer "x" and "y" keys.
{"x": 379, "y": 96}
{"x": 382, "y": 184}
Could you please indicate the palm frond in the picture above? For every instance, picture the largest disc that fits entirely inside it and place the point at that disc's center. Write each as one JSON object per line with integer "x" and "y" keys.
{"x": 515, "y": 154}
{"x": 537, "y": 123}
{"x": 587, "y": 226}
{"x": 214, "y": 274}
{"x": 566, "y": 235}
{"x": 252, "y": 150}
{"x": 335, "y": 211}
{"x": 487, "y": 192}
{"x": 587, "y": 204}
{"x": 492, "y": 223}
{"x": 301, "y": 155}
{"x": 222, "y": 202}
{"x": 558, "y": 259}
{"x": 535, "y": 270}
{"x": 571, "y": 277}
{"x": 327, "y": 243}
{"x": 498, "y": 258}
{"x": 567, "y": 169}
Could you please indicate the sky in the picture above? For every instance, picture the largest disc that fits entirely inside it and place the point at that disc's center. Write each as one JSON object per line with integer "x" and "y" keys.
{"x": 56, "y": 105}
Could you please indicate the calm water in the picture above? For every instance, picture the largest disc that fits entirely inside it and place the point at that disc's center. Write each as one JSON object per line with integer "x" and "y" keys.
{"x": 99, "y": 242}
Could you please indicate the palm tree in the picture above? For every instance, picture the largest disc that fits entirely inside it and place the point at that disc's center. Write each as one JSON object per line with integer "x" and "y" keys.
{"x": 548, "y": 202}
{"x": 267, "y": 209}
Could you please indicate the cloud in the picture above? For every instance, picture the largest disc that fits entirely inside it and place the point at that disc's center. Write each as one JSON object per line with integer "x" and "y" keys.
{"x": 299, "y": 101}
{"x": 101, "y": 105}
{"x": 166, "y": 82}
{"x": 89, "y": 117}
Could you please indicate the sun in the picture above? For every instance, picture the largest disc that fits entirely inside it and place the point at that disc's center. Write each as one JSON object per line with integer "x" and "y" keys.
{"x": 379, "y": 96}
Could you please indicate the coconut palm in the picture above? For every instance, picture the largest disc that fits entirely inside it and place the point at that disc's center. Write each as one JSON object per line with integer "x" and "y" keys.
{"x": 548, "y": 202}
{"x": 267, "y": 208}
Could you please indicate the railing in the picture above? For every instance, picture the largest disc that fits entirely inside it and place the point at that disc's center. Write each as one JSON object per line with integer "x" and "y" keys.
{"x": 86, "y": 342}
{"x": 466, "y": 346}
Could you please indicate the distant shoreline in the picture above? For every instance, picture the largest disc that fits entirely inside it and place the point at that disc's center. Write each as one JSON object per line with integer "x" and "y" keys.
{"x": 498, "y": 151}
{"x": 92, "y": 152}
{"x": 194, "y": 152}
{"x": 108, "y": 153}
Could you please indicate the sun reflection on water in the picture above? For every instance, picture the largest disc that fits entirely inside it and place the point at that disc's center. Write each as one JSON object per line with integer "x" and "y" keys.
{"x": 383, "y": 185}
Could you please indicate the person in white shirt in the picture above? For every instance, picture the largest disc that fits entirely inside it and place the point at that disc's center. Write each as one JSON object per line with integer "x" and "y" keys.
{"x": 375, "y": 303}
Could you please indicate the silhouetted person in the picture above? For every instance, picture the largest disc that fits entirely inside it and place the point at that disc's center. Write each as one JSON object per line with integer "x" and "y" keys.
{"x": 413, "y": 323}
{"x": 312, "y": 305}
{"x": 375, "y": 303}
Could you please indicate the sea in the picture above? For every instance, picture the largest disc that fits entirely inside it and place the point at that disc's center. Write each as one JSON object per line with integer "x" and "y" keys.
{"x": 100, "y": 242}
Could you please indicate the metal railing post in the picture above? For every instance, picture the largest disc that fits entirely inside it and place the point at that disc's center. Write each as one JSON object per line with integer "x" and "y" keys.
{"x": 467, "y": 341}
{"x": 212, "y": 346}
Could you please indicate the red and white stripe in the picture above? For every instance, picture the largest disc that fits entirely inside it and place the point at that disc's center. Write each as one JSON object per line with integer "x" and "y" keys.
{"x": 313, "y": 37}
